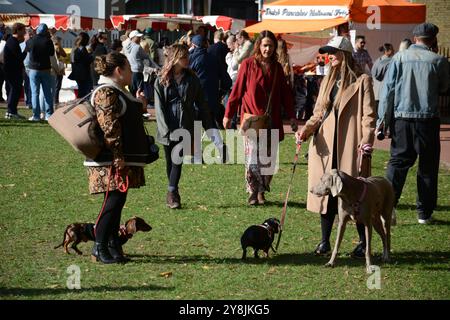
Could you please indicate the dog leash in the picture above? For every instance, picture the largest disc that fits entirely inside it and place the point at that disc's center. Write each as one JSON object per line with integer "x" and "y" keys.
{"x": 122, "y": 186}
{"x": 283, "y": 214}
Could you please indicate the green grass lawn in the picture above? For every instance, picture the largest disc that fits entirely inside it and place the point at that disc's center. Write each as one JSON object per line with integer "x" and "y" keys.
{"x": 43, "y": 187}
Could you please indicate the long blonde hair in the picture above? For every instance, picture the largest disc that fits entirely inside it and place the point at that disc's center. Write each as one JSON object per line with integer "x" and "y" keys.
{"x": 173, "y": 54}
{"x": 349, "y": 73}
{"x": 283, "y": 57}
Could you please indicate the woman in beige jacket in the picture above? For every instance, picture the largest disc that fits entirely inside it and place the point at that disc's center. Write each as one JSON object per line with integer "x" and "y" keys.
{"x": 343, "y": 126}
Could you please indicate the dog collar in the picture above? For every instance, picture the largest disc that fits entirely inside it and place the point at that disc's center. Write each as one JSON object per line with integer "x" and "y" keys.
{"x": 357, "y": 205}
{"x": 267, "y": 227}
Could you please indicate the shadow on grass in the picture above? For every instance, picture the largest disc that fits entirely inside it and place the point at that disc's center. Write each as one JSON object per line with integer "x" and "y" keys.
{"x": 427, "y": 259}
{"x": 404, "y": 206}
{"x": 22, "y": 123}
{"x": 281, "y": 259}
{"x": 278, "y": 204}
{"x": 434, "y": 222}
{"x": 56, "y": 291}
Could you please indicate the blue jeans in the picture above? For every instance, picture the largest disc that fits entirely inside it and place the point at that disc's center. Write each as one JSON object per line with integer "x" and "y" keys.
{"x": 44, "y": 78}
{"x": 42, "y": 101}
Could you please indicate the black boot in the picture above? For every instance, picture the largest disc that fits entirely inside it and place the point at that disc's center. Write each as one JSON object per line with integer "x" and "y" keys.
{"x": 359, "y": 251}
{"x": 100, "y": 253}
{"x": 323, "y": 248}
{"x": 115, "y": 250}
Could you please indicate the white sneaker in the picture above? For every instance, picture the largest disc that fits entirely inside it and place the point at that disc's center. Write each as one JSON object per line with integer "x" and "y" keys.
{"x": 33, "y": 119}
{"x": 426, "y": 221}
{"x": 13, "y": 116}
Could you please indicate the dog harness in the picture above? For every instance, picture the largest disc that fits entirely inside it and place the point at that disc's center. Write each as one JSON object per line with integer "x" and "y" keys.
{"x": 123, "y": 232}
{"x": 357, "y": 205}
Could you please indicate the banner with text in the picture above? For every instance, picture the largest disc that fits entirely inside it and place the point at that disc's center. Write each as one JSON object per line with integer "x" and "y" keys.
{"x": 304, "y": 12}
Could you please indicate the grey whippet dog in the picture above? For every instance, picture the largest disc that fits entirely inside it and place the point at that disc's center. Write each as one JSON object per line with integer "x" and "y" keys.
{"x": 366, "y": 200}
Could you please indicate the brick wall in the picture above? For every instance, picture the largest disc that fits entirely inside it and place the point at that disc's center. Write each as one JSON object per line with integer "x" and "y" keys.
{"x": 438, "y": 12}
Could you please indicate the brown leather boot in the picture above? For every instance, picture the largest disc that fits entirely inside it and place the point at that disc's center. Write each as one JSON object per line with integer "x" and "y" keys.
{"x": 172, "y": 200}
{"x": 253, "y": 199}
{"x": 261, "y": 198}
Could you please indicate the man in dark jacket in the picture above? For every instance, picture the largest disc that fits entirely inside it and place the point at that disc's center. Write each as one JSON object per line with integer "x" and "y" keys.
{"x": 13, "y": 68}
{"x": 219, "y": 49}
{"x": 213, "y": 79}
{"x": 41, "y": 49}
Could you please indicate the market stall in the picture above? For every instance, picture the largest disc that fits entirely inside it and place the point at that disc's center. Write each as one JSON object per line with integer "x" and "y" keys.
{"x": 172, "y": 22}
{"x": 63, "y": 22}
{"x": 380, "y": 21}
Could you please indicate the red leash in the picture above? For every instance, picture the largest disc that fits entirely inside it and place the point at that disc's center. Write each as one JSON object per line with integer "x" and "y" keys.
{"x": 122, "y": 186}
{"x": 283, "y": 214}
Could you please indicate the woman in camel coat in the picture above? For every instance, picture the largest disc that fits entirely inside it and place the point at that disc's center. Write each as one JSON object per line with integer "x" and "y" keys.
{"x": 341, "y": 134}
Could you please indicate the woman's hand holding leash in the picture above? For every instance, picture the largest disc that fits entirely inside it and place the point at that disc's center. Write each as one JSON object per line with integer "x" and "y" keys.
{"x": 301, "y": 136}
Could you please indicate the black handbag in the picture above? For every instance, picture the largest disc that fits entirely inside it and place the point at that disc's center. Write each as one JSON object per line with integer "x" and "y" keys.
{"x": 153, "y": 149}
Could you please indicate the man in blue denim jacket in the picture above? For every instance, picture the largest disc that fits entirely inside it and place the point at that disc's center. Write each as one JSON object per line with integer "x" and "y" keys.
{"x": 409, "y": 105}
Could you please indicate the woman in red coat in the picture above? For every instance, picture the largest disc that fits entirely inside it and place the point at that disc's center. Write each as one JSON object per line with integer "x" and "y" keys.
{"x": 259, "y": 77}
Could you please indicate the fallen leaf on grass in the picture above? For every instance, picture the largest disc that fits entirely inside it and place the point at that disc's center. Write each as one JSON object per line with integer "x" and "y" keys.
{"x": 166, "y": 274}
{"x": 206, "y": 267}
{"x": 271, "y": 270}
{"x": 7, "y": 185}
{"x": 53, "y": 286}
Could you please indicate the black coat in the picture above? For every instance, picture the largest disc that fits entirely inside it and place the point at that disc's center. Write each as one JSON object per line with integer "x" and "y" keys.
{"x": 13, "y": 59}
{"x": 213, "y": 77}
{"x": 81, "y": 64}
{"x": 40, "y": 48}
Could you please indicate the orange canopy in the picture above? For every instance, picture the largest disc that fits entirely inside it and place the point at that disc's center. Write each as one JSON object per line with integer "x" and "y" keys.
{"x": 278, "y": 19}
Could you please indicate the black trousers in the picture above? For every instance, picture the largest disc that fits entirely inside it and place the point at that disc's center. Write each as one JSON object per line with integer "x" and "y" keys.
{"x": 412, "y": 138}
{"x": 15, "y": 88}
{"x": 173, "y": 170}
{"x": 59, "y": 80}
{"x": 109, "y": 223}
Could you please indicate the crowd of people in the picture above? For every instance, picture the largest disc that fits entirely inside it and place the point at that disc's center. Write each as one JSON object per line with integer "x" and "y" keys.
{"x": 233, "y": 81}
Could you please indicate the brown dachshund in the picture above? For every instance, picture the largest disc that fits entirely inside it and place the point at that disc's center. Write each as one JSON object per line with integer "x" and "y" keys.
{"x": 84, "y": 232}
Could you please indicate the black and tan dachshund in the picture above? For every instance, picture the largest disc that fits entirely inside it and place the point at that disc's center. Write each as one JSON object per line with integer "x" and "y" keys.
{"x": 84, "y": 232}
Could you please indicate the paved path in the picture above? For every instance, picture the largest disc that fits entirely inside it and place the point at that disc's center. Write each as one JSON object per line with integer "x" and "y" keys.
{"x": 386, "y": 143}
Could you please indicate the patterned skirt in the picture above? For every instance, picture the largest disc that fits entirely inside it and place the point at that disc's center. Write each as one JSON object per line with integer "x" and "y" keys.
{"x": 261, "y": 162}
{"x": 99, "y": 178}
